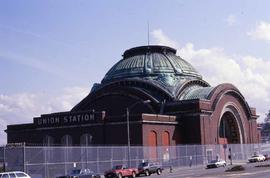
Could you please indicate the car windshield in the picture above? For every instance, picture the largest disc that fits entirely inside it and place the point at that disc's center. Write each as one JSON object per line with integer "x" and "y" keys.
{"x": 20, "y": 174}
{"x": 118, "y": 167}
{"x": 76, "y": 171}
{"x": 143, "y": 164}
{"x": 213, "y": 161}
{"x": 254, "y": 156}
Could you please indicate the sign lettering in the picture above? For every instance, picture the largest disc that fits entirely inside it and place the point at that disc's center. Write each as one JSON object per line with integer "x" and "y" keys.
{"x": 65, "y": 119}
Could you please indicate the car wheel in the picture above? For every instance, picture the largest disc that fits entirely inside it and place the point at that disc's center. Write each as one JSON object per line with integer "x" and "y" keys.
{"x": 133, "y": 175}
{"x": 158, "y": 171}
{"x": 119, "y": 175}
{"x": 147, "y": 173}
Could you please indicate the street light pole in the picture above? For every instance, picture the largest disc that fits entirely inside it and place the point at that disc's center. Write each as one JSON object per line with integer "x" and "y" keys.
{"x": 128, "y": 136}
{"x": 128, "y": 131}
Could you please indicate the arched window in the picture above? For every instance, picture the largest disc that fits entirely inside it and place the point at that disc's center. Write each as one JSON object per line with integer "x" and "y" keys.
{"x": 86, "y": 139}
{"x": 152, "y": 142}
{"x": 48, "y": 140}
{"x": 152, "y": 138}
{"x": 165, "y": 138}
{"x": 166, "y": 144}
{"x": 66, "y": 140}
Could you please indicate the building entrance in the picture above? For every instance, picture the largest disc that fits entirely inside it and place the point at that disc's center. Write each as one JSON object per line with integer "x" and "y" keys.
{"x": 228, "y": 129}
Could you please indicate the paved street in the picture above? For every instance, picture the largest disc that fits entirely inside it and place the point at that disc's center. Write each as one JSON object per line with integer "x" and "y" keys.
{"x": 250, "y": 172}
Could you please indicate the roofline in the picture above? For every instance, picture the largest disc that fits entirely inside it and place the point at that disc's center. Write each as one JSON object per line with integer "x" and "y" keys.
{"x": 146, "y": 49}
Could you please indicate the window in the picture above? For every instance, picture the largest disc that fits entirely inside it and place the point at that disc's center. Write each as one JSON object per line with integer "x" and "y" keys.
{"x": 48, "y": 140}
{"x": 66, "y": 140}
{"x": 12, "y": 175}
{"x": 152, "y": 142}
{"x": 209, "y": 155}
{"x": 86, "y": 139}
{"x": 152, "y": 138}
{"x": 5, "y": 176}
{"x": 165, "y": 138}
{"x": 20, "y": 174}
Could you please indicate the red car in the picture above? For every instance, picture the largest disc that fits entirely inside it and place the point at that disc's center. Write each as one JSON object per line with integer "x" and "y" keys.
{"x": 120, "y": 171}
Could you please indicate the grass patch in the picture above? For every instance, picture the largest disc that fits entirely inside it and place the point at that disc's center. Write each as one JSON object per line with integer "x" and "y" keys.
{"x": 236, "y": 168}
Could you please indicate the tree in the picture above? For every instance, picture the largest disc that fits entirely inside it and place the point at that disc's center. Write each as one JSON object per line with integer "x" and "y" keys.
{"x": 267, "y": 119}
{"x": 265, "y": 131}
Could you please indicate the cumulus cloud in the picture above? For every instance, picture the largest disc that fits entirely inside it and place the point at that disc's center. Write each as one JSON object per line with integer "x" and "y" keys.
{"x": 162, "y": 38}
{"x": 261, "y": 32}
{"x": 248, "y": 73}
{"x": 22, "y": 107}
{"x": 231, "y": 20}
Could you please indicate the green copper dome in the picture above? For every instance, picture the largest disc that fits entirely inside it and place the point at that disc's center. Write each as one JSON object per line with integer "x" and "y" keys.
{"x": 147, "y": 61}
{"x": 155, "y": 70}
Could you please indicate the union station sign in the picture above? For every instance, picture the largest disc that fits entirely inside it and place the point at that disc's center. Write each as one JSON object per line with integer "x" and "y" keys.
{"x": 69, "y": 118}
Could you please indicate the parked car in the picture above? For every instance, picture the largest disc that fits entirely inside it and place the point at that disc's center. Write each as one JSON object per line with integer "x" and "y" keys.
{"x": 120, "y": 171}
{"x": 216, "y": 163}
{"x": 147, "y": 168}
{"x": 267, "y": 157}
{"x": 81, "y": 173}
{"x": 14, "y": 174}
{"x": 256, "y": 158}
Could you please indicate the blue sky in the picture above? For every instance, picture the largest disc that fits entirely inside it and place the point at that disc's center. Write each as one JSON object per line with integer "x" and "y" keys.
{"x": 51, "y": 52}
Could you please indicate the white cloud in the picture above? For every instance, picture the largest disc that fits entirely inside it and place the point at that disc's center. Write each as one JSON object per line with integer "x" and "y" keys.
{"x": 248, "y": 73}
{"x": 261, "y": 32}
{"x": 163, "y": 39}
{"x": 231, "y": 20}
{"x": 22, "y": 107}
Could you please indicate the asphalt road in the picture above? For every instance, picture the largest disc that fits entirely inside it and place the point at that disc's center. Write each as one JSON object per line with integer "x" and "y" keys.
{"x": 250, "y": 172}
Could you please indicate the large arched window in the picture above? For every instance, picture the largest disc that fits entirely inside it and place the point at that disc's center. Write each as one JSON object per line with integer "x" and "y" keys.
{"x": 66, "y": 140}
{"x": 86, "y": 139}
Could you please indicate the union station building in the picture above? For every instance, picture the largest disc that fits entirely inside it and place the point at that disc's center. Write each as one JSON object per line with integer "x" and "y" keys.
{"x": 159, "y": 96}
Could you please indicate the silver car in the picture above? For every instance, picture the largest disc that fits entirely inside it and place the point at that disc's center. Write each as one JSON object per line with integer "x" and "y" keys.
{"x": 81, "y": 173}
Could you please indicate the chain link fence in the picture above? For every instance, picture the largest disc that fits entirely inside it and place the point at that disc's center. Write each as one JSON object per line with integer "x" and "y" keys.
{"x": 50, "y": 162}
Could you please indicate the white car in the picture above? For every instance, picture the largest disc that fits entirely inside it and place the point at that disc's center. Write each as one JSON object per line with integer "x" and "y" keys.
{"x": 14, "y": 174}
{"x": 256, "y": 158}
{"x": 216, "y": 163}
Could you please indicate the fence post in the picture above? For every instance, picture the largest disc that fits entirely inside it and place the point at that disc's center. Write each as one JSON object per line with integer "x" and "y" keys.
{"x": 111, "y": 157}
{"x": 98, "y": 161}
{"x": 195, "y": 146}
{"x": 4, "y": 158}
{"x": 24, "y": 157}
{"x": 65, "y": 159}
{"x": 45, "y": 161}
{"x": 87, "y": 147}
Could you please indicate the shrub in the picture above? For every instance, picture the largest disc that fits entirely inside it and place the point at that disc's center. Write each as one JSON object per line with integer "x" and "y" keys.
{"x": 1, "y": 169}
{"x": 236, "y": 168}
